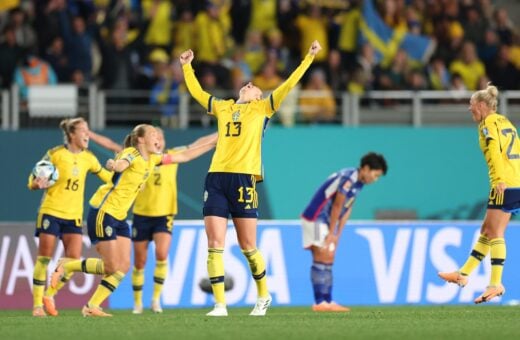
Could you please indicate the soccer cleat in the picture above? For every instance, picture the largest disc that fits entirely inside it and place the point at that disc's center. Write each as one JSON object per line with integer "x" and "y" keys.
{"x": 156, "y": 306}
{"x": 323, "y": 306}
{"x": 454, "y": 277}
{"x": 219, "y": 310}
{"x": 138, "y": 309}
{"x": 262, "y": 304}
{"x": 39, "y": 312}
{"x": 58, "y": 273}
{"x": 50, "y": 306}
{"x": 334, "y": 307}
{"x": 491, "y": 292}
{"x": 93, "y": 311}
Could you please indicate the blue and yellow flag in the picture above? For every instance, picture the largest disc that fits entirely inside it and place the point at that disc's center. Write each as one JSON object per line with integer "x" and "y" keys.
{"x": 387, "y": 41}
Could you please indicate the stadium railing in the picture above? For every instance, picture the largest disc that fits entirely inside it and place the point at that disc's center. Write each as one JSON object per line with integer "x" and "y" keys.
{"x": 129, "y": 107}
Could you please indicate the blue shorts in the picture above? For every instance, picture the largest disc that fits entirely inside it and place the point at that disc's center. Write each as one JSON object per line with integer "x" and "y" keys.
{"x": 509, "y": 201}
{"x": 232, "y": 194}
{"x": 103, "y": 227}
{"x": 143, "y": 227}
{"x": 48, "y": 224}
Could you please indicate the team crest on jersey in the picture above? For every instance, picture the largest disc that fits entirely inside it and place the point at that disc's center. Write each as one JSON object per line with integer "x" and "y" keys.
{"x": 108, "y": 230}
{"x": 205, "y": 195}
{"x": 485, "y": 132}
{"x": 46, "y": 223}
{"x": 235, "y": 116}
{"x": 75, "y": 171}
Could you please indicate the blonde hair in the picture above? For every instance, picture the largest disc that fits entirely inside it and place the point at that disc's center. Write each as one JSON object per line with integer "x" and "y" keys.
{"x": 489, "y": 96}
{"x": 69, "y": 126}
{"x": 131, "y": 138}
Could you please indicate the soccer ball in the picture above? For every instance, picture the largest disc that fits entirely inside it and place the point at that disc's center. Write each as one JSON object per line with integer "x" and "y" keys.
{"x": 47, "y": 170}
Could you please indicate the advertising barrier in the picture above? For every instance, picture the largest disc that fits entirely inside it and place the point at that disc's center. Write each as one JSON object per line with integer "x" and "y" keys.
{"x": 376, "y": 263}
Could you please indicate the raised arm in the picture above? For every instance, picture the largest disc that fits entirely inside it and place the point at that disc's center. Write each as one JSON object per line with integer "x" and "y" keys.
{"x": 281, "y": 91}
{"x": 191, "y": 80}
{"x": 105, "y": 142}
{"x": 197, "y": 149}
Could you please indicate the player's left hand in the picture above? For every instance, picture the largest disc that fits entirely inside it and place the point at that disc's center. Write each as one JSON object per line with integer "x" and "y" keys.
{"x": 315, "y": 48}
{"x": 110, "y": 164}
{"x": 500, "y": 187}
{"x": 330, "y": 242}
{"x": 41, "y": 183}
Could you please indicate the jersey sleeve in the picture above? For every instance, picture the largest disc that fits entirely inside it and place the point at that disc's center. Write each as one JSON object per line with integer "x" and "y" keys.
{"x": 157, "y": 158}
{"x": 279, "y": 94}
{"x": 201, "y": 96}
{"x": 345, "y": 185}
{"x": 493, "y": 155}
{"x": 97, "y": 169}
{"x": 129, "y": 154}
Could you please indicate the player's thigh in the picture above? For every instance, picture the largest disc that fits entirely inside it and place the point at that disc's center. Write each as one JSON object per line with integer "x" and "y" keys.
{"x": 72, "y": 245}
{"x": 140, "y": 253}
{"x": 246, "y": 232}
{"x": 124, "y": 246}
{"x": 495, "y": 223}
{"x": 47, "y": 243}
{"x": 322, "y": 255}
{"x": 162, "y": 242}
{"x": 108, "y": 250}
{"x": 215, "y": 231}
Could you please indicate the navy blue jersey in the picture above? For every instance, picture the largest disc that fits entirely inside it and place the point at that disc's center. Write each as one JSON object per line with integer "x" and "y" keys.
{"x": 344, "y": 181}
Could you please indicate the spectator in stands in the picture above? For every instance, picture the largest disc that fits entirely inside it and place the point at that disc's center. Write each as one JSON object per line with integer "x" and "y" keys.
{"x": 33, "y": 71}
{"x": 503, "y": 26}
{"x": 183, "y": 32}
{"x": 56, "y": 57}
{"x": 502, "y": 72}
{"x": 254, "y": 51}
{"x": 276, "y": 51}
{"x": 24, "y": 32}
{"x": 165, "y": 91}
{"x": 438, "y": 75}
{"x": 474, "y": 26}
{"x": 468, "y": 66}
{"x": 313, "y": 26}
{"x": 159, "y": 32}
{"x": 348, "y": 35}
{"x": 268, "y": 79}
{"x": 240, "y": 71}
{"x": 263, "y": 15}
{"x": 317, "y": 102}
{"x": 394, "y": 77}
{"x": 78, "y": 42}
{"x": 336, "y": 78}
{"x": 366, "y": 63}
{"x": 47, "y": 22}
{"x": 10, "y": 53}
{"x": 488, "y": 49}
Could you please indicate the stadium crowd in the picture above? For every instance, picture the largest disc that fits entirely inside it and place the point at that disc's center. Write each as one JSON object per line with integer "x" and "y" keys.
{"x": 131, "y": 44}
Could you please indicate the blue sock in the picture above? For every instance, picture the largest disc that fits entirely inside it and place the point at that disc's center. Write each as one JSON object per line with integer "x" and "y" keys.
{"x": 321, "y": 278}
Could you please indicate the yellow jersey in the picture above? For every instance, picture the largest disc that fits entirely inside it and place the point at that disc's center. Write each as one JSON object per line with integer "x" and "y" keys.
{"x": 64, "y": 199}
{"x": 241, "y": 126}
{"x": 159, "y": 195}
{"x": 116, "y": 197}
{"x": 498, "y": 141}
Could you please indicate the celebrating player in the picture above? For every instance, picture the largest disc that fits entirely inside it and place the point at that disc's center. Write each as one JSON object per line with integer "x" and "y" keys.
{"x": 107, "y": 227}
{"x": 61, "y": 211}
{"x": 230, "y": 187}
{"x": 154, "y": 210}
{"x": 324, "y": 219}
{"x": 498, "y": 141}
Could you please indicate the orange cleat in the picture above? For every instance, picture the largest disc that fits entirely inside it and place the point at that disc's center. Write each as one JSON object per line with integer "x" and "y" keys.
{"x": 58, "y": 273}
{"x": 50, "y": 306}
{"x": 334, "y": 307}
{"x": 323, "y": 306}
{"x": 94, "y": 311}
{"x": 39, "y": 312}
{"x": 491, "y": 292}
{"x": 454, "y": 277}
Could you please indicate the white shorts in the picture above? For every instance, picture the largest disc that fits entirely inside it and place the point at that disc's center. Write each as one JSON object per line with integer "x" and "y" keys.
{"x": 314, "y": 233}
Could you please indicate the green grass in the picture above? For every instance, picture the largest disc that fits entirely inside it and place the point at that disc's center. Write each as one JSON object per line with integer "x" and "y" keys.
{"x": 437, "y": 322}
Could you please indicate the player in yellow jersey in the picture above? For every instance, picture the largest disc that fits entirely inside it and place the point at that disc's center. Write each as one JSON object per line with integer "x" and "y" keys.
{"x": 106, "y": 222}
{"x": 230, "y": 187}
{"x": 61, "y": 211}
{"x": 498, "y": 141}
{"x": 154, "y": 210}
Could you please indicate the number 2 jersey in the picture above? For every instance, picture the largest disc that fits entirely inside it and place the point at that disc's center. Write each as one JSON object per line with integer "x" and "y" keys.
{"x": 344, "y": 181}
{"x": 116, "y": 197}
{"x": 64, "y": 199}
{"x": 241, "y": 126}
{"x": 498, "y": 140}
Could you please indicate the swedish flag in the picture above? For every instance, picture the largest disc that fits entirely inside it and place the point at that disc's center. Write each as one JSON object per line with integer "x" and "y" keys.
{"x": 387, "y": 41}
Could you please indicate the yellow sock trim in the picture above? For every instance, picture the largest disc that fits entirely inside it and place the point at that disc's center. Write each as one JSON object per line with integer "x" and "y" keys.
{"x": 137, "y": 286}
{"x": 216, "y": 273}
{"x": 498, "y": 257}
{"x": 479, "y": 251}
{"x": 159, "y": 276}
{"x": 257, "y": 265}
{"x": 39, "y": 279}
{"x": 108, "y": 284}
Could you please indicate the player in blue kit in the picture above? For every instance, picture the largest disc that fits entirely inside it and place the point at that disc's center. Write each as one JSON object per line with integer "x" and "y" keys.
{"x": 325, "y": 217}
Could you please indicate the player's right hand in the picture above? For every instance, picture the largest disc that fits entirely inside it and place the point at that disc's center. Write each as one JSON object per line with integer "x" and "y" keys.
{"x": 186, "y": 57}
{"x": 315, "y": 48}
{"x": 41, "y": 183}
{"x": 110, "y": 164}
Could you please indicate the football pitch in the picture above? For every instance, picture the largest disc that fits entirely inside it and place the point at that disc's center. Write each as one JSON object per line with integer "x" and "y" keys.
{"x": 407, "y": 322}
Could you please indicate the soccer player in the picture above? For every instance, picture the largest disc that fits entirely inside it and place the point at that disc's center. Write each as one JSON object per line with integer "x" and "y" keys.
{"x": 498, "y": 141}
{"x": 154, "y": 210}
{"x": 106, "y": 222}
{"x": 61, "y": 211}
{"x": 230, "y": 186}
{"x": 325, "y": 217}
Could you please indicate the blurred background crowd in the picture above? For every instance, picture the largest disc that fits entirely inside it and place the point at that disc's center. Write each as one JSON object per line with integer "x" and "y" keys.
{"x": 132, "y": 44}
